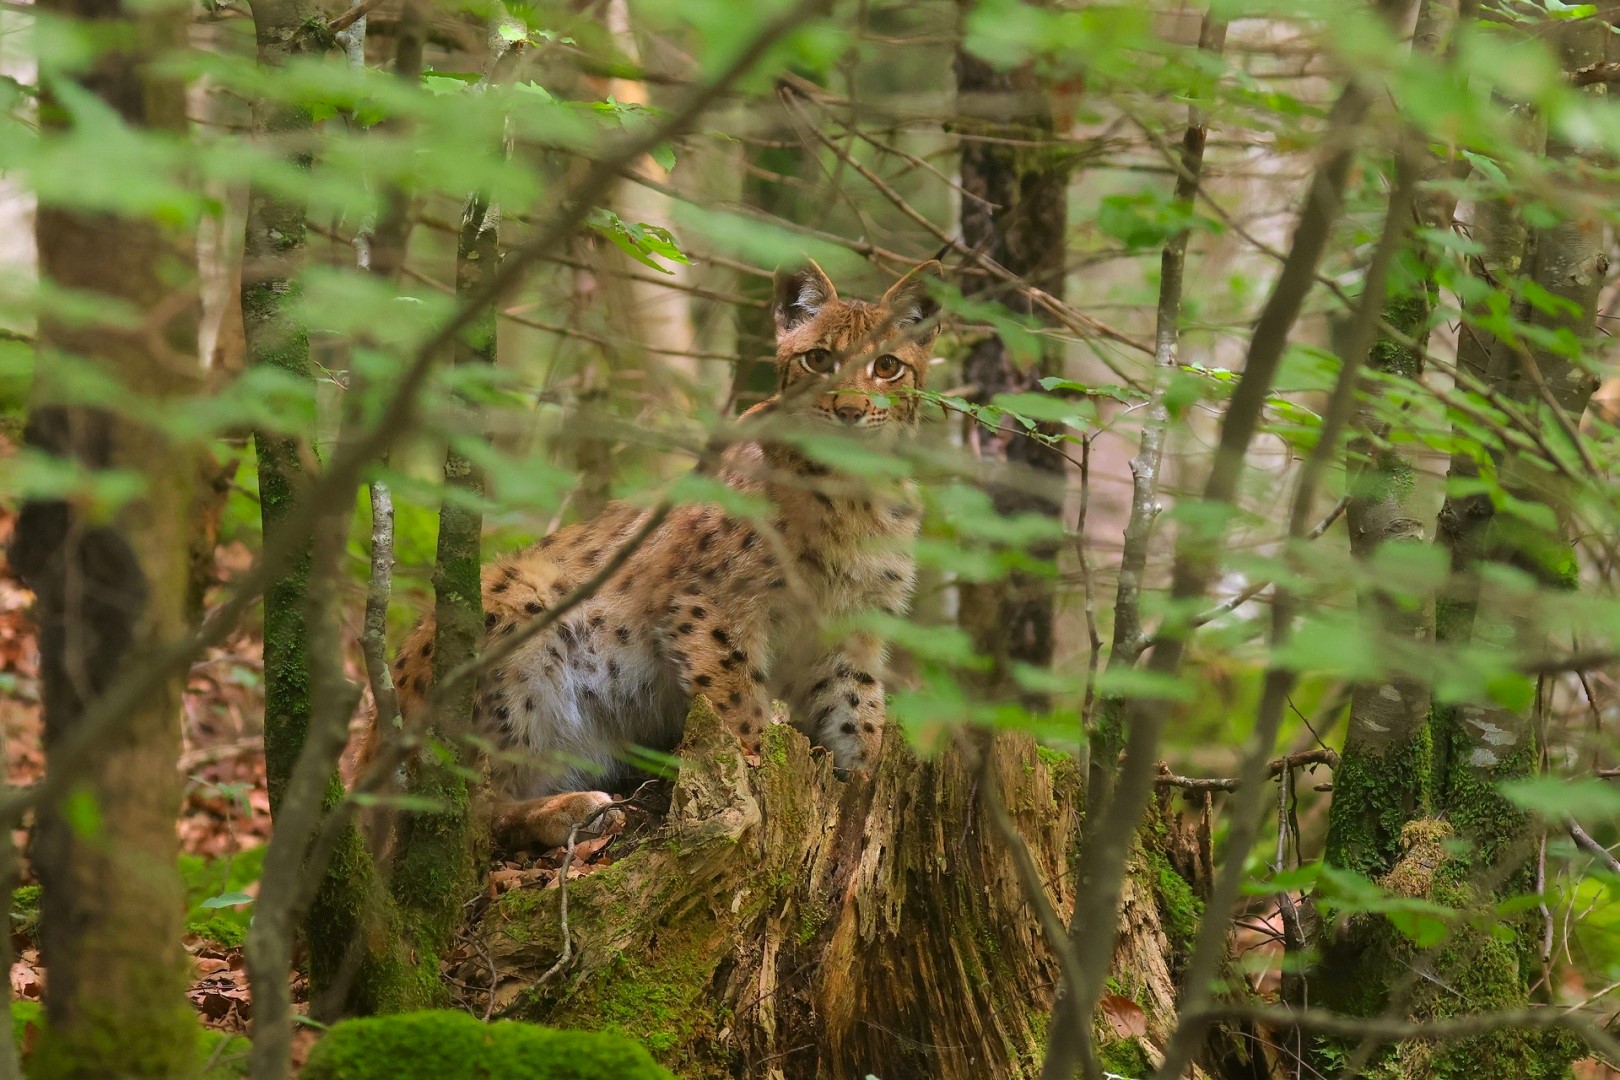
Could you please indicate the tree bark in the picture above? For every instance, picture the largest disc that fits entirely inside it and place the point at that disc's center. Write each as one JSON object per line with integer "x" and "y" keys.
{"x": 1014, "y": 212}
{"x": 1385, "y": 773}
{"x": 1489, "y": 743}
{"x": 350, "y": 905}
{"x": 435, "y": 869}
{"x": 110, "y": 592}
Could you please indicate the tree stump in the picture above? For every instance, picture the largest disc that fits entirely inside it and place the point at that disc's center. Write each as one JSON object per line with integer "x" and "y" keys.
{"x": 788, "y": 925}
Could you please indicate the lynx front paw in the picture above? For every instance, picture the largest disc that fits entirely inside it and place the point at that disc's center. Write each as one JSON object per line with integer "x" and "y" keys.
{"x": 543, "y": 824}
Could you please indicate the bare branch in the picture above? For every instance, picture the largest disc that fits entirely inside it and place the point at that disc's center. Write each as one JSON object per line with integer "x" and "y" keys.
{"x": 1128, "y": 638}
{"x": 1584, "y": 841}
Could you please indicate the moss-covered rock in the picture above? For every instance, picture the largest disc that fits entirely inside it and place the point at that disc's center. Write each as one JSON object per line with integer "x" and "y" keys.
{"x": 445, "y": 1045}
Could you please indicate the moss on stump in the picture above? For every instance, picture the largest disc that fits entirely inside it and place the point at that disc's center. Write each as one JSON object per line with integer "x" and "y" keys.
{"x": 446, "y": 1045}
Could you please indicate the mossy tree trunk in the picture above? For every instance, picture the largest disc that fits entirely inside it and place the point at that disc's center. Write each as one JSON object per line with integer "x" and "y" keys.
{"x": 1486, "y": 744}
{"x": 1385, "y": 773}
{"x": 111, "y": 592}
{"x": 273, "y": 252}
{"x": 345, "y": 907}
{"x": 1384, "y": 778}
{"x": 785, "y": 924}
{"x": 436, "y": 862}
{"x": 1476, "y": 847}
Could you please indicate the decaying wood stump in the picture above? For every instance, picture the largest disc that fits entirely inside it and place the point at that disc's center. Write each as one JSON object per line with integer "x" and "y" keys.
{"x": 785, "y": 924}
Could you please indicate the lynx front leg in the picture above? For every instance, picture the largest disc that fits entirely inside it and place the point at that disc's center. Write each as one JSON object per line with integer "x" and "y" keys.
{"x": 841, "y": 707}
{"x": 724, "y": 660}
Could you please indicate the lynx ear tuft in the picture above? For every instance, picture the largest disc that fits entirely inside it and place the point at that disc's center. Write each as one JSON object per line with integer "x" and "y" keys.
{"x": 909, "y": 301}
{"x": 800, "y": 295}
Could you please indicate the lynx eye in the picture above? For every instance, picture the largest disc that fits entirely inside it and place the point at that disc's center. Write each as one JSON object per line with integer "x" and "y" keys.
{"x": 887, "y": 367}
{"x": 817, "y": 361}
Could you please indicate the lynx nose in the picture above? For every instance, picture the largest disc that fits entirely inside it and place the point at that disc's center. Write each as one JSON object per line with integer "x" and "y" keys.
{"x": 850, "y": 413}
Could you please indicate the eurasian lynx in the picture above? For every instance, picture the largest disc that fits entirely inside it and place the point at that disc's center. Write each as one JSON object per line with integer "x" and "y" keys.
{"x": 734, "y": 609}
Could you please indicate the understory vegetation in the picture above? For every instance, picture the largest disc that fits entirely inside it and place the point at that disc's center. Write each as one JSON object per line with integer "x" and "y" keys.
{"x": 1249, "y": 716}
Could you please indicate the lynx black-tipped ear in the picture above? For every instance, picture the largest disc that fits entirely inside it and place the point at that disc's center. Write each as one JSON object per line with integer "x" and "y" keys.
{"x": 800, "y": 294}
{"x": 909, "y": 302}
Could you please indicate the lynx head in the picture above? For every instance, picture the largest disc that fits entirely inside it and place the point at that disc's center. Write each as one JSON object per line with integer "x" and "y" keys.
{"x": 865, "y": 358}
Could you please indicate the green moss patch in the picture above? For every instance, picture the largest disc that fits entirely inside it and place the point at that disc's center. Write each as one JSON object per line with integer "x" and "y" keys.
{"x": 444, "y": 1045}
{"x": 211, "y": 885}
{"x": 1125, "y": 1057}
{"x": 25, "y": 911}
{"x": 1476, "y": 969}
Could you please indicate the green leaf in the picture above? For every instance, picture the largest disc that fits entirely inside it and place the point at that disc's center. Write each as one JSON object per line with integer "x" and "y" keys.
{"x": 1423, "y": 928}
{"x": 1146, "y": 219}
{"x": 411, "y": 804}
{"x": 1555, "y": 798}
{"x": 1511, "y": 690}
{"x": 1121, "y": 394}
{"x": 228, "y": 899}
{"x": 664, "y": 155}
{"x": 692, "y": 489}
{"x": 638, "y": 240}
{"x": 1047, "y": 408}
{"x": 1560, "y": 10}
{"x": 1143, "y": 685}
{"x": 1302, "y": 877}
{"x": 1487, "y": 166}
{"x": 82, "y": 813}
{"x": 851, "y": 455}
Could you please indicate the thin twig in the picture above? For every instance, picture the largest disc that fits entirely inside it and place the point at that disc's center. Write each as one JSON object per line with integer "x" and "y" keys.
{"x": 567, "y": 952}
{"x": 374, "y": 637}
{"x": 1584, "y": 841}
{"x": 1093, "y": 638}
{"x": 1274, "y": 767}
{"x": 348, "y": 18}
{"x": 1128, "y": 638}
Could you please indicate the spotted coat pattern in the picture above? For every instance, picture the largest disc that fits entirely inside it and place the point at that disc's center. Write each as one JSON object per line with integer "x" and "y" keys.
{"x": 742, "y": 611}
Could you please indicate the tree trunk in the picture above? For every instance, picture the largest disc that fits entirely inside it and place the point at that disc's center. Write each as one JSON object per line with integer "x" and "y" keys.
{"x": 1476, "y": 848}
{"x": 435, "y": 870}
{"x": 111, "y": 591}
{"x": 1015, "y": 213}
{"x": 1385, "y": 773}
{"x": 1486, "y": 744}
{"x": 785, "y": 924}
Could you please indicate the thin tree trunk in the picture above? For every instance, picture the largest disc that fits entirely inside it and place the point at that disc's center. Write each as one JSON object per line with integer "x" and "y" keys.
{"x": 273, "y": 254}
{"x": 436, "y": 870}
{"x": 345, "y": 908}
{"x": 109, "y": 593}
{"x": 659, "y": 317}
{"x": 1015, "y": 214}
